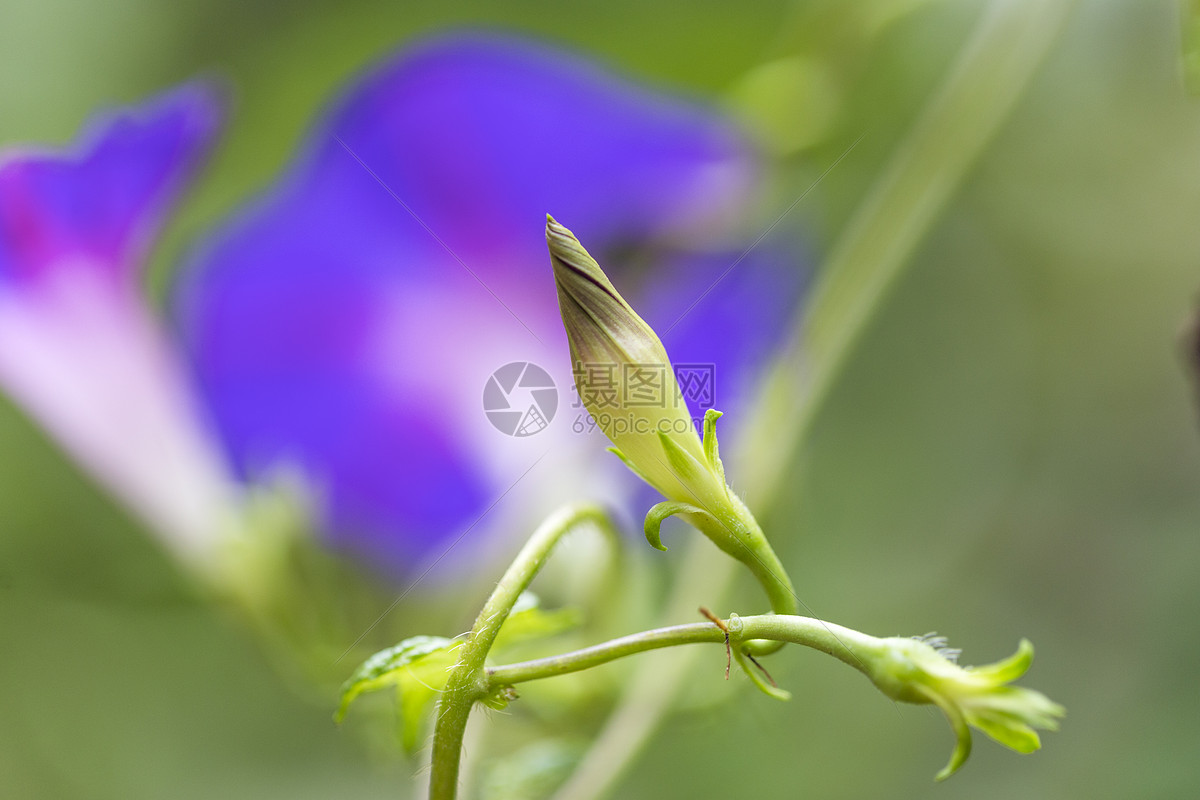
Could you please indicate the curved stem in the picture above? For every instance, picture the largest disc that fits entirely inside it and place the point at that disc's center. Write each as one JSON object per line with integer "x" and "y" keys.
{"x": 835, "y": 640}
{"x": 467, "y": 682}
{"x": 594, "y": 656}
{"x": 925, "y": 171}
{"x": 753, "y": 549}
{"x": 737, "y": 533}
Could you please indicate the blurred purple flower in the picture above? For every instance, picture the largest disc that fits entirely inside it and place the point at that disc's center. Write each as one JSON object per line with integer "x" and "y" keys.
{"x": 79, "y": 348}
{"x": 345, "y": 323}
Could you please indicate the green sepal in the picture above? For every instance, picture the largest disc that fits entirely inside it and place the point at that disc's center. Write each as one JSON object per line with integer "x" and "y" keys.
{"x": 757, "y": 678}
{"x": 1008, "y": 730}
{"x": 1009, "y": 669}
{"x": 684, "y": 466}
{"x": 417, "y": 668}
{"x": 918, "y": 670}
{"x": 658, "y": 513}
{"x": 632, "y": 467}
{"x": 962, "y": 735}
{"x": 710, "y": 443}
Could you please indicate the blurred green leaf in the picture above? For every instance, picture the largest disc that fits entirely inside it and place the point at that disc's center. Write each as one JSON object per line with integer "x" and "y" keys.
{"x": 528, "y": 621}
{"x": 417, "y": 667}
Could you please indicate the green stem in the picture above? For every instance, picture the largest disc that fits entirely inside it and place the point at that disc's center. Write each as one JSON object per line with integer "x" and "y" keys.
{"x": 835, "y": 640}
{"x": 735, "y": 531}
{"x": 743, "y": 539}
{"x": 468, "y": 682}
{"x": 925, "y": 171}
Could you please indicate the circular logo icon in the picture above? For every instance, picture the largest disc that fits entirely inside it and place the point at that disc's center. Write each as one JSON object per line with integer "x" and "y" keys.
{"x": 520, "y": 399}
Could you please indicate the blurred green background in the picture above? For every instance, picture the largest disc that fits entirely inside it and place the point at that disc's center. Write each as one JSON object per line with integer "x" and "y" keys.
{"x": 1013, "y": 450}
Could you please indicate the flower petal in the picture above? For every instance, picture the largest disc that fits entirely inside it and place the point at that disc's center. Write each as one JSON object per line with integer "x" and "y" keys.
{"x": 79, "y": 348}
{"x": 721, "y": 315}
{"x": 500, "y": 131}
{"x": 102, "y": 204}
{"x": 350, "y": 320}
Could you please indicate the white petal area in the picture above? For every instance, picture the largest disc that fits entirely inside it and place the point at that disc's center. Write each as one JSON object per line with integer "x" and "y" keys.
{"x": 82, "y": 355}
{"x": 449, "y": 370}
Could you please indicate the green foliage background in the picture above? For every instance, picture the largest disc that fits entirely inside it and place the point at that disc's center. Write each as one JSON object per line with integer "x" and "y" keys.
{"x": 1013, "y": 450}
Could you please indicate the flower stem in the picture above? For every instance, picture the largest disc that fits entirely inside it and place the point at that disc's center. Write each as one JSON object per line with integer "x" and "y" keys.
{"x": 840, "y": 642}
{"x": 468, "y": 682}
{"x": 905, "y": 669}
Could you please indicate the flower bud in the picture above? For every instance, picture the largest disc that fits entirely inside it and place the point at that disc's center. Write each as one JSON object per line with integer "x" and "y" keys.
{"x": 615, "y": 353}
{"x": 611, "y": 347}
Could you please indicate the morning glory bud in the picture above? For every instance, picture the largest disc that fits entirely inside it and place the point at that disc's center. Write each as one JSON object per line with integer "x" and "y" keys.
{"x": 922, "y": 670}
{"x": 611, "y": 347}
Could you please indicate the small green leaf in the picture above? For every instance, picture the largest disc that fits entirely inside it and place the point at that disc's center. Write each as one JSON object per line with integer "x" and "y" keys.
{"x": 417, "y": 668}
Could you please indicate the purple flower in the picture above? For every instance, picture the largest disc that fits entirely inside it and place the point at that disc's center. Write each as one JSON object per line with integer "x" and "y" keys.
{"x": 79, "y": 348}
{"x": 345, "y": 324}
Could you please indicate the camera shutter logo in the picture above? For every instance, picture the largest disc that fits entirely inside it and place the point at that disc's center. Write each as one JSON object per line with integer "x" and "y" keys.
{"x": 520, "y": 399}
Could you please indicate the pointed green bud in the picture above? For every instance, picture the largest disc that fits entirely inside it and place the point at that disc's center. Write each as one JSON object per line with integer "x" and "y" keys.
{"x": 627, "y": 384}
{"x": 616, "y": 354}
